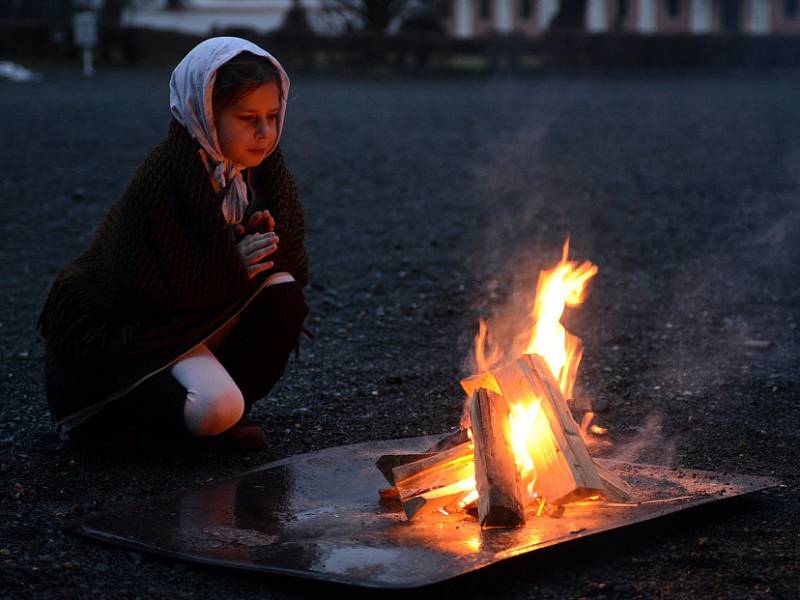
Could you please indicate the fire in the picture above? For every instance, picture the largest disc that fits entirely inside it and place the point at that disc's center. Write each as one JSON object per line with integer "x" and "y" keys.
{"x": 563, "y": 285}
{"x": 523, "y": 451}
{"x": 482, "y": 361}
{"x": 528, "y": 430}
{"x": 557, "y": 288}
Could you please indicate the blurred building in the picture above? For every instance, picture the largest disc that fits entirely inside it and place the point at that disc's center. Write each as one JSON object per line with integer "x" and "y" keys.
{"x": 475, "y": 18}
{"x": 203, "y": 16}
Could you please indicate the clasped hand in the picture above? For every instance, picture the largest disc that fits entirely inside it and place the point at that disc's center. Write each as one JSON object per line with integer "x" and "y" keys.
{"x": 259, "y": 242}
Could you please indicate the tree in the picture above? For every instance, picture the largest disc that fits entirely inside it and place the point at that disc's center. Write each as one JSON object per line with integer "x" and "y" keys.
{"x": 373, "y": 16}
{"x": 296, "y": 20}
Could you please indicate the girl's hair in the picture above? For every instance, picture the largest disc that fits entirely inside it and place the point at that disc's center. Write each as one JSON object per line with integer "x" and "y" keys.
{"x": 241, "y": 75}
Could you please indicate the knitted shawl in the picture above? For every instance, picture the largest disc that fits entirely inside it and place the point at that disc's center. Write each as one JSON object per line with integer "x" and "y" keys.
{"x": 161, "y": 275}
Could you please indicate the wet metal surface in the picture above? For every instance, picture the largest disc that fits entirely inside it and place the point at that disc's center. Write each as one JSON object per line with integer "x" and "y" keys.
{"x": 318, "y": 516}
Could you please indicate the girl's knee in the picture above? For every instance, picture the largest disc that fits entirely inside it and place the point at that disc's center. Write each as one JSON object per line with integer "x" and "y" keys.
{"x": 210, "y": 412}
{"x": 287, "y": 302}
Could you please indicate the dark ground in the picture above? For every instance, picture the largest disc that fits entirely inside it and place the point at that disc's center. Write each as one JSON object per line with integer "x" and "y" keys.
{"x": 421, "y": 199}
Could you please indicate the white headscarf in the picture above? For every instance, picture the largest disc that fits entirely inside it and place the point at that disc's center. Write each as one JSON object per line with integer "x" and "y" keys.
{"x": 190, "y": 101}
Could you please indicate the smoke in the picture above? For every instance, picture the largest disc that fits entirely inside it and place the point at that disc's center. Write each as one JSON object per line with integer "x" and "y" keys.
{"x": 524, "y": 222}
{"x": 649, "y": 445}
{"x": 503, "y": 330}
{"x": 696, "y": 248}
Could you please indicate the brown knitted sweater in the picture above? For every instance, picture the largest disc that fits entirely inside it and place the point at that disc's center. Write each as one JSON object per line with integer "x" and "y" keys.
{"x": 161, "y": 275}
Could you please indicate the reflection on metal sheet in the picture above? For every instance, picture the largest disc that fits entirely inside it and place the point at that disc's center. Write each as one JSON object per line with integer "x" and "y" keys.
{"x": 319, "y": 516}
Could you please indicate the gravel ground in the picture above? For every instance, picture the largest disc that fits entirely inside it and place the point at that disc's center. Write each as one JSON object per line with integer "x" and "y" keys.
{"x": 428, "y": 204}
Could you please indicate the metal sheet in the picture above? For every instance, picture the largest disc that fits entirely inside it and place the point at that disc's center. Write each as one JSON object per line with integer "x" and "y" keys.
{"x": 318, "y": 516}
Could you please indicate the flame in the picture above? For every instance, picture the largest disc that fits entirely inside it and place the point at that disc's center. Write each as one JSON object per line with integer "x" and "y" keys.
{"x": 540, "y": 507}
{"x": 557, "y": 288}
{"x": 524, "y": 430}
{"x": 482, "y": 362}
{"x": 528, "y": 430}
{"x": 563, "y": 285}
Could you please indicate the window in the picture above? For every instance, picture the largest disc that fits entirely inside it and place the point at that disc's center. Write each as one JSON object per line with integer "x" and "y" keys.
{"x": 526, "y": 9}
{"x": 790, "y": 9}
{"x": 673, "y": 8}
{"x": 486, "y": 10}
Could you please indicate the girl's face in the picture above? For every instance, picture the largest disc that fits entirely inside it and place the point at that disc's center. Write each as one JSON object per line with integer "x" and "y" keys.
{"x": 248, "y": 127}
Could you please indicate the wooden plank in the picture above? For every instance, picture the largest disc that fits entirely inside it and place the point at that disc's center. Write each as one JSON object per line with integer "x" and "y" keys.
{"x": 574, "y": 464}
{"x": 616, "y": 488}
{"x": 501, "y": 498}
{"x": 388, "y": 462}
{"x": 437, "y": 502}
{"x": 403, "y": 472}
{"x": 451, "y": 441}
{"x": 481, "y": 380}
{"x": 564, "y": 468}
{"x": 426, "y": 486}
{"x": 456, "y": 469}
{"x": 470, "y": 385}
{"x": 554, "y": 479}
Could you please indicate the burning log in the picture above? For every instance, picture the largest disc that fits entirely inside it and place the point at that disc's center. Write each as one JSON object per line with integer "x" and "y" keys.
{"x": 451, "y": 441}
{"x": 388, "y": 462}
{"x": 445, "y": 500}
{"x": 501, "y": 498}
{"x": 528, "y": 447}
{"x": 616, "y": 488}
{"x": 449, "y": 479}
{"x": 564, "y": 469}
{"x": 575, "y": 464}
{"x": 484, "y": 380}
{"x": 436, "y": 470}
{"x": 434, "y": 481}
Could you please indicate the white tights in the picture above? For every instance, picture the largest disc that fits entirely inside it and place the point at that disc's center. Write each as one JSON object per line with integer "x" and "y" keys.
{"x": 214, "y": 402}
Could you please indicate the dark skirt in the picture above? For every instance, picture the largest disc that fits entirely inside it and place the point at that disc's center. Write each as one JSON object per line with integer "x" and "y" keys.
{"x": 254, "y": 352}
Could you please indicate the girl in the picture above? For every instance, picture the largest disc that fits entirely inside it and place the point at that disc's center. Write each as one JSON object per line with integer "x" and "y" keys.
{"x": 183, "y": 310}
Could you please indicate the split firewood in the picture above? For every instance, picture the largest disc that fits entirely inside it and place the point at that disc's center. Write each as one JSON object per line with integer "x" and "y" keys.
{"x": 387, "y": 462}
{"x": 423, "y": 483}
{"x": 451, "y": 441}
{"x": 435, "y": 482}
{"x": 424, "y": 471}
{"x": 501, "y": 497}
{"x": 564, "y": 469}
{"x": 441, "y": 501}
{"x": 616, "y": 488}
{"x": 580, "y": 467}
{"x": 471, "y": 385}
{"x": 483, "y": 380}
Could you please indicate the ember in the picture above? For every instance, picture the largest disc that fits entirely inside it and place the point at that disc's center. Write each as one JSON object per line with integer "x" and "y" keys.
{"x": 524, "y": 449}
